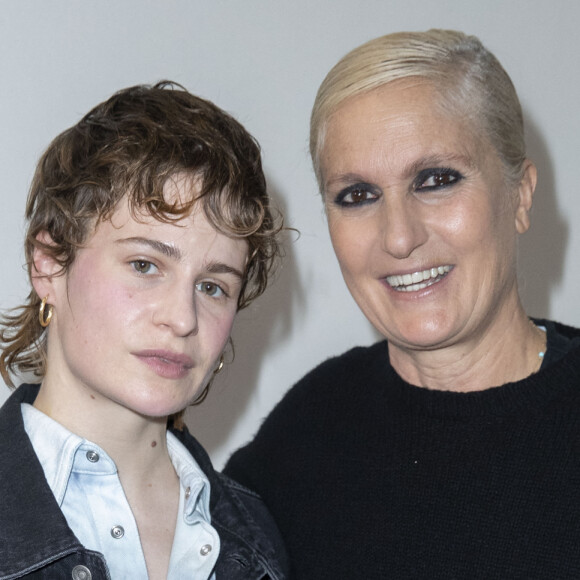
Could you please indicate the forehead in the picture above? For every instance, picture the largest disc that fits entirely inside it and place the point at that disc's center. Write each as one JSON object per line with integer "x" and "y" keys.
{"x": 180, "y": 192}
{"x": 192, "y": 235}
{"x": 405, "y": 118}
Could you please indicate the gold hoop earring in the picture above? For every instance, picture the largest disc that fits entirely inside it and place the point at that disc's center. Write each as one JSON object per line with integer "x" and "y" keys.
{"x": 220, "y": 366}
{"x": 44, "y": 321}
{"x": 203, "y": 395}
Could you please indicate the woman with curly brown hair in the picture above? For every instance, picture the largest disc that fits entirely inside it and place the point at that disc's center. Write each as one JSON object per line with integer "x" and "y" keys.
{"x": 149, "y": 227}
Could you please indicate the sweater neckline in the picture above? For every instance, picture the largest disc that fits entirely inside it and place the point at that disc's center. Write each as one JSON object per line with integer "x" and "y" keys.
{"x": 534, "y": 392}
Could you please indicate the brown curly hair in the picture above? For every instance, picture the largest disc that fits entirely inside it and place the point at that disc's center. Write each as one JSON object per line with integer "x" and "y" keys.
{"x": 127, "y": 148}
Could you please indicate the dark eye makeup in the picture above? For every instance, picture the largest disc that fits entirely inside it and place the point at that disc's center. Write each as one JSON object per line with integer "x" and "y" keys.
{"x": 356, "y": 195}
{"x": 436, "y": 178}
{"x": 432, "y": 178}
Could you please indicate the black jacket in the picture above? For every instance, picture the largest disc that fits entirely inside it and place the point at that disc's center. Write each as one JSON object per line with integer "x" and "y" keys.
{"x": 36, "y": 542}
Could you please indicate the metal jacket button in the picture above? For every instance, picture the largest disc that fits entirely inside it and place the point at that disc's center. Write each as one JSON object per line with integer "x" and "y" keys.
{"x": 117, "y": 532}
{"x": 92, "y": 456}
{"x": 81, "y": 573}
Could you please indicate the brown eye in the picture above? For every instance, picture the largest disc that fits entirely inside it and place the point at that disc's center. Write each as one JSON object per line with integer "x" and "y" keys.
{"x": 358, "y": 194}
{"x": 437, "y": 178}
{"x": 444, "y": 179}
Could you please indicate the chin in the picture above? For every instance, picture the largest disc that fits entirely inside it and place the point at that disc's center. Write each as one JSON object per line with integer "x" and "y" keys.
{"x": 424, "y": 334}
{"x": 156, "y": 409}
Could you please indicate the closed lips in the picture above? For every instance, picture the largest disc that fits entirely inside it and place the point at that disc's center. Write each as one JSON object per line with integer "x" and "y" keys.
{"x": 167, "y": 357}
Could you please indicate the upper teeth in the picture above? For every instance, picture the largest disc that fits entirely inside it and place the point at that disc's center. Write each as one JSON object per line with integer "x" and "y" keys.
{"x": 417, "y": 280}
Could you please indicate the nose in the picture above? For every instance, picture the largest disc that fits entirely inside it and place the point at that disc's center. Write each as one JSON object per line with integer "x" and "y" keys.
{"x": 176, "y": 309}
{"x": 402, "y": 228}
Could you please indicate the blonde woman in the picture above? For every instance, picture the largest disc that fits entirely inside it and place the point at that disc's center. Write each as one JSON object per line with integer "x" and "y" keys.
{"x": 449, "y": 449}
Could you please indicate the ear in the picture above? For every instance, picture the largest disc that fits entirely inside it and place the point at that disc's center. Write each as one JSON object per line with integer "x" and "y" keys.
{"x": 44, "y": 267}
{"x": 526, "y": 189}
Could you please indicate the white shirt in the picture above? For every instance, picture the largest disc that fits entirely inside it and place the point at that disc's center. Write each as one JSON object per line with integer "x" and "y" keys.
{"x": 86, "y": 485}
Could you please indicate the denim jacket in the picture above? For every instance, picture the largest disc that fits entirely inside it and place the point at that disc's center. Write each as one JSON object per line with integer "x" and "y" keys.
{"x": 36, "y": 542}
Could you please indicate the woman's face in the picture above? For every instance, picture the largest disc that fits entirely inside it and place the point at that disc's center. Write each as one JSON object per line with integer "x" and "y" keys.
{"x": 421, "y": 220}
{"x": 144, "y": 312}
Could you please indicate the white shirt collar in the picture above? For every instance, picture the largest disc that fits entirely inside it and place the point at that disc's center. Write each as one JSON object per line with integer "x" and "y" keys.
{"x": 56, "y": 446}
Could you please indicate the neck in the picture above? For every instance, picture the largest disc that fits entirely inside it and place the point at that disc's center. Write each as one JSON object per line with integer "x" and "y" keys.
{"x": 505, "y": 350}
{"x": 136, "y": 444}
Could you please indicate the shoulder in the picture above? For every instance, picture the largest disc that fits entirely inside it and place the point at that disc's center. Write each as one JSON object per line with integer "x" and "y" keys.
{"x": 345, "y": 361}
{"x": 247, "y": 530}
{"x": 251, "y": 508}
{"x": 563, "y": 342}
{"x": 558, "y": 332}
{"x": 326, "y": 399}
{"x": 333, "y": 379}
{"x": 566, "y": 330}
{"x": 359, "y": 364}
{"x": 326, "y": 390}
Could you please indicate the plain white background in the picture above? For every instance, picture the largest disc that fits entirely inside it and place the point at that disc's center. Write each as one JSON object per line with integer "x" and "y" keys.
{"x": 262, "y": 60}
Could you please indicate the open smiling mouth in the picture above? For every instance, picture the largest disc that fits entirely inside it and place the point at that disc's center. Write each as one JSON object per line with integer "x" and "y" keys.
{"x": 418, "y": 280}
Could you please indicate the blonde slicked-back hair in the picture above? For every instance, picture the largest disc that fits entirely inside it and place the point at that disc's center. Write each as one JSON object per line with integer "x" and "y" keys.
{"x": 468, "y": 77}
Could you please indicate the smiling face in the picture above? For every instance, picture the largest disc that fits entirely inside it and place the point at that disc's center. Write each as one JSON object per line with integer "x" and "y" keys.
{"x": 421, "y": 219}
{"x": 143, "y": 313}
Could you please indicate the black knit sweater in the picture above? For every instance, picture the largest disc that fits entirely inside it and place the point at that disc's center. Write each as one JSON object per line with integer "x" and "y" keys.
{"x": 370, "y": 477}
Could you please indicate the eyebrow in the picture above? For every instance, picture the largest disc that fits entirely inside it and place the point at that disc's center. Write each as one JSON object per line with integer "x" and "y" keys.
{"x": 414, "y": 167}
{"x": 174, "y": 253}
{"x": 221, "y": 268}
{"x": 344, "y": 178}
{"x": 439, "y": 161}
{"x": 168, "y": 250}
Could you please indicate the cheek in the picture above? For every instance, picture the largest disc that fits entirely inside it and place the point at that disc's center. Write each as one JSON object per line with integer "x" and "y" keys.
{"x": 96, "y": 297}
{"x": 479, "y": 233}
{"x": 469, "y": 226}
{"x": 353, "y": 243}
{"x": 218, "y": 328}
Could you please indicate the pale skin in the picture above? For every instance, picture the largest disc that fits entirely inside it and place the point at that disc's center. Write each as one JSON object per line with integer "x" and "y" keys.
{"x": 410, "y": 189}
{"x": 139, "y": 322}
